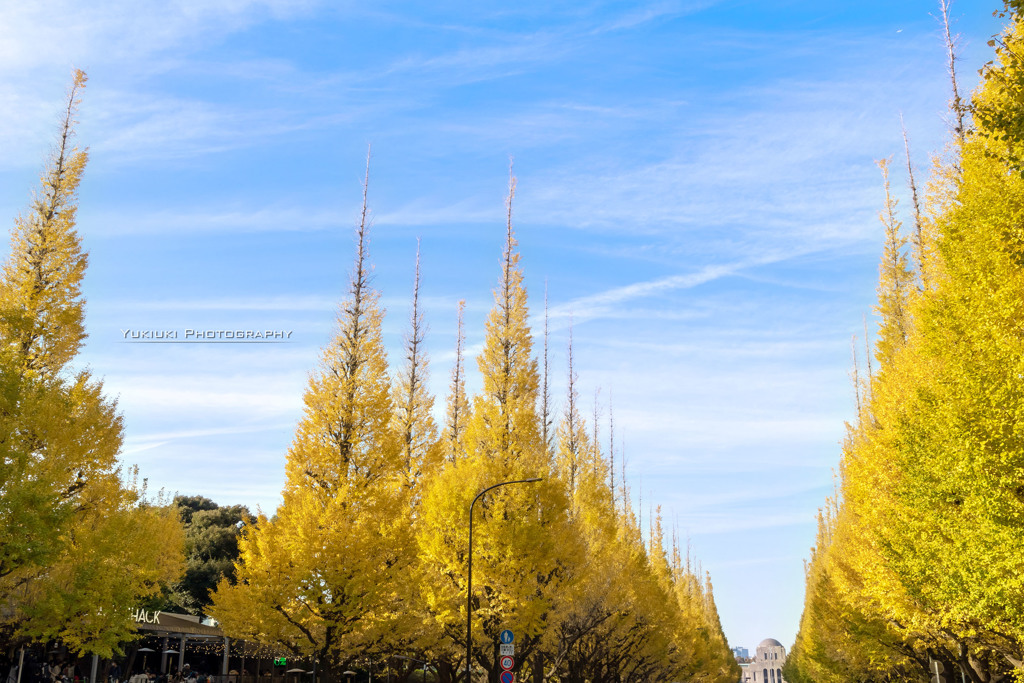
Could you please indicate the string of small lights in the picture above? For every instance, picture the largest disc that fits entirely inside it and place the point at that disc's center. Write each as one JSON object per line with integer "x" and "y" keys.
{"x": 242, "y": 662}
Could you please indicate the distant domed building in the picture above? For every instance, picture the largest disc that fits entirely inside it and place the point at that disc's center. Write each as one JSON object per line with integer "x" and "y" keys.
{"x": 766, "y": 666}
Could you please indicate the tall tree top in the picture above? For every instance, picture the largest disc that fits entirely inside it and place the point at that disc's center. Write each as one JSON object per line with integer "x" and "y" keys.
{"x": 895, "y": 282}
{"x": 457, "y": 410}
{"x": 41, "y": 302}
{"x": 414, "y": 404}
{"x": 510, "y": 374}
{"x": 344, "y": 439}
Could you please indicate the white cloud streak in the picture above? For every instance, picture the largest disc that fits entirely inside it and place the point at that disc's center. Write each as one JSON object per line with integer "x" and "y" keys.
{"x": 122, "y": 30}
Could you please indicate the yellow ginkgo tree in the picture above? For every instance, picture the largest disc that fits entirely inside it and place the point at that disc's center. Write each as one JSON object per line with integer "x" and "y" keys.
{"x": 324, "y": 578}
{"x": 521, "y": 535}
{"x": 923, "y": 561}
{"x": 79, "y": 546}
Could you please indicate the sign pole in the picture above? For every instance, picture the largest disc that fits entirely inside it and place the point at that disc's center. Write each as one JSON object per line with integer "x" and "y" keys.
{"x": 506, "y": 650}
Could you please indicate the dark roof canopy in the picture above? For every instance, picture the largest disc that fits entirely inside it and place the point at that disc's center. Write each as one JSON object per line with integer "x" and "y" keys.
{"x": 168, "y": 622}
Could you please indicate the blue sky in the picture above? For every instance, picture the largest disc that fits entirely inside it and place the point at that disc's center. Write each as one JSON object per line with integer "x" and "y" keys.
{"x": 696, "y": 187}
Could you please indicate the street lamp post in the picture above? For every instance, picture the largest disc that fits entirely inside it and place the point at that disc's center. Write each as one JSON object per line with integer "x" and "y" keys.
{"x": 469, "y": 587}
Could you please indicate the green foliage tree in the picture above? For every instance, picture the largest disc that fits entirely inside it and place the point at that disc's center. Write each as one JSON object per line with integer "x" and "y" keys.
{"x": 121, "y": 550}
{"x": 211, "y": 550}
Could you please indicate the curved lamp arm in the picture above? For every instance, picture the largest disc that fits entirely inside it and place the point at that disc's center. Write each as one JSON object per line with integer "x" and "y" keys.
{"x": 469, "y": 586}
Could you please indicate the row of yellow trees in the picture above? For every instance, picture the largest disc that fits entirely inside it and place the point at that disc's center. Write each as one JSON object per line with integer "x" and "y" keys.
{"x": 367, "y": 556}
{"x": 918, "y": 569}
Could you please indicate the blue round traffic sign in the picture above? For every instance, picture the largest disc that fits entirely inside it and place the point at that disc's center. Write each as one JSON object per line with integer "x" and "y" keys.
{"x": 506, "y": 637}
{"x": 508, "y": 677}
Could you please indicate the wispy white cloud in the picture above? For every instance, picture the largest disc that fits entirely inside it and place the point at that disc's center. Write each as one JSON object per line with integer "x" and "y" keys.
{"x": 744, "y": 491}
{"x": 698, "y": 435}
{"x": 130, "y": 127}
{"x": 238, "y": 472}
{"x": 273, "y": 303}
{"x": 282, "y": 216}
{"x": 207, "y": 398}
{"x": 127, "y": 41}
{"x": 473, "y": 64}
{"x": 427, "y": 212}
{"x": 782, "y": 161}
{"x": 274, "y": 218}
{"x": 120, "y": 30}
{"x": 29, "y": 124}
{"x": 596, "y": 305}
{"x": 131, "y": 448}
{"x": 195, "y": 400}
{"x": 652, "y": 12}
{"x": 161, "y": 438}
{"x": 708, "y": 524}
{"x": 609, "y": 302}
{"x": 757, "y": 561}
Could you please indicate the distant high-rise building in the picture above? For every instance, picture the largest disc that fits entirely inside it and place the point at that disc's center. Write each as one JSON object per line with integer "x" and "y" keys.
{"x": 741, "y": 653}
{"x": 766, "y": 666}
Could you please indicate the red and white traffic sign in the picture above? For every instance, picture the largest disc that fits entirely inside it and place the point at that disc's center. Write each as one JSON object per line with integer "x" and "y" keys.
{"x": 507, "y": 663}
